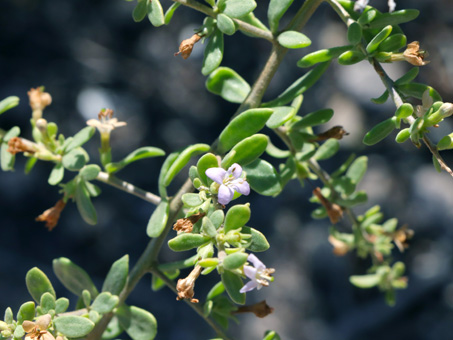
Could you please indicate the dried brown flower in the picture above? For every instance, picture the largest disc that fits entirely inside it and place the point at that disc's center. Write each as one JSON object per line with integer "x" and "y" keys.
{"x": 52, "y": 215}
{"x": 260, "y": 309}
{"x": 17, "y": 144}
{"x": 336, "y": 132}
{"x": 185, "y": 225}
{"x": 402, "y": 236}
{"x": 39, "y": 99}
{"x": 185, "y": 287}
{"x": 38, "y": 330}
{"x": 186, "y": 46}
{"x": 414, "y": 55}
{"x": 340, "y": 248}
{"x": 334, "y": 211}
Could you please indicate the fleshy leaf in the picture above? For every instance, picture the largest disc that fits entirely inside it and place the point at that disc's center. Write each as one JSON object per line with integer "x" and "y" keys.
{"x": 138, "y": 323}
{"x": 8, "y": 103}
{"x": 80, "y": 138}
{"x": 158, "y": 219}
{"x": 322, "y": 56}
{"x": 26, "y": 312}
{"x": 189, "y": 241}
{"x": 155, "y": 13}
{"x": 329, "y": 148}
{"x": 237, "y": 8}
{"x": 293, "y": 39}
{"x": 233, "y": 284}
{"x": 38, "y": 283}
{"x": 275, "y": 12}
{"x": 117, "y": 276}
{"x": 263, "y": 178}
{"x": 84, "y": 204}
{"x": 205, "y": 162}
{"x": 226, "y": 83}
{"x": 141, "y": 153}
{"x": 57, "y": 174}
{"x": 246, "y": 151}
{"x": 225, "y": 24}
{"x": 104, "y": 303}
{"x": 257, "y": 242}
{"x": 213, "y": 53}
{"x": 237, "y": 216}
{"x": 74, "y": 278}
{"x": 365, "y": 281}
{"x": 281, "y": 115}
{"x": 73, "y": 326}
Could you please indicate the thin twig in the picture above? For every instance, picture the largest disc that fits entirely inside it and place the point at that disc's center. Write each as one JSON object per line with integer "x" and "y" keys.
{"x": 128, "y": 187}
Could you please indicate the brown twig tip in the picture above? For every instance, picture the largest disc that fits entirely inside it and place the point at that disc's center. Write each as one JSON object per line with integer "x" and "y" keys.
{"x": 185, "y": 287}
{"x": 52, "y": 215}
{"x": 185, "y": 225}
{"x": 334, "y": 211}
{"x": 186, "y": 46}
{"x": 17, "y": 144}
{"x": 260, "y": 309}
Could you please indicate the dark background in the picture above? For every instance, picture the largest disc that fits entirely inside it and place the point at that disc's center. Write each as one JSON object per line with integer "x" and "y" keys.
{"x": 90, "y": 55}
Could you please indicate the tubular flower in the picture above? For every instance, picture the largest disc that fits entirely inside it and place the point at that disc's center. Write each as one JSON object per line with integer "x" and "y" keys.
{"x": 230, "y": 181}
{"x": 105, "y": 123}
{"x": 414, "y": 55}
{"x": 52, "y": 215}
{"x": 38, "y": 330}
{"x": 186, "y": 46}
{"x": 185, "y": 287}
{"x": 259, "y": 275}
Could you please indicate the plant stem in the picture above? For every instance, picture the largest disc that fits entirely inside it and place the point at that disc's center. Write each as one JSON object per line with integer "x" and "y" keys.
{"x": 243, "y": 26}
{"x": 128, "y": 187}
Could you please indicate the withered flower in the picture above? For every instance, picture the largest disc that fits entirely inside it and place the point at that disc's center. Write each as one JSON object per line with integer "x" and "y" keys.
{"x": 340, "y": 248}
{"x": 105, "y": 123}
{"x": 185, "y": 287}
{"x": 185, "y": 225}
{"x": 336, "y": 132}
{"x": 38, "y": 330}
{"x": 402, "y": 236}
{"x": 39, "y": 99}
{"x": 414, "y": 55}
{"x": 186, "y": 46}
{"x": 52, "y": 215}
{"x": 260, "y": 309}
{"x": 334, "y": 211}
{"x": 17, "y": 144}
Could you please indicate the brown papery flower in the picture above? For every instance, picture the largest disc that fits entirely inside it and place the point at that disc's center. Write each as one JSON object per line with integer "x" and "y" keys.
{"x": 185, "y": 225}
{"x": 340, "y": 248}
{"x": 334, "y": 211}
{"x": 52, "y": 215}
{"x": 186, "y": 46}
{"x": 185, "y": 287}
{"x": 414, "y": 55}
{"x": 260, "y": 309}
{"x": 39, "y": 99}
{"x": 17, "y": 144}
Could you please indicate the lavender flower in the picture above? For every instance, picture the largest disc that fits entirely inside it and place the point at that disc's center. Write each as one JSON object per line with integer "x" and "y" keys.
{"x": 259, "y": 275}
{"x": 230, "y": 181}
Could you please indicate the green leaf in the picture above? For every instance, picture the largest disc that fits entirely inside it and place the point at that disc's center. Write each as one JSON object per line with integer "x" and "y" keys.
{"x": 138, "y": 323}
{"x": 226, "y": 83}
{"x": 235, "y": 260}
{"x": 8, "y": 103}
{"x": 343, "y": 185}
{"x": 358, "y": 197}
{"x": 416, "y": 90}
{"x": 113, "y": 329}
{"x": 236, "y": 217}
{"x": 357, "y": 169}
{"x": 393, "y": 43}
{"x": 354, "y": 33}
{"x": 90, "y": 172}
{"x": 380, "y": 131}
{"x": 84, "y": 204}
{"x": 271, "y": 335}
{"x": 61, "y": 305}
{"x": 394, "y": 18}
{"x": 157, "y": 283}
{"x": 263, "y": 178}
{"x": 208, "y": 227}
{"x": 225, "y": 24}
{"x": 57, "y": 174}
{"x": 8, "y": 316}
{"x": 281, "y": 115}
{"x": 75, "y": 159}
{"x": 237, "y": 8}
{"x": 185, "y": 241}
{"x": 299, "y": 86}
{"x": 233, "y": 284}
{"x": 80, "y": 138}
{"x": 365, "y": 281}
{"x": 73, "y": 326}
{"x": 218, "y": 289}
{"x": 293, "y": 39}
{"x": 213, "y": 53}
{"x": 275, "y": 12}
{"x": 351, "y": 57}
{"x": 367, "y": 16}
{"x": 74, "y": 278}
{"x": 322, "y": 56}
{"x": 163, "y": 172}
{"x": 246, "y": 151}
{"x": 38, "y": 283}
{"x": 275, "y": 152}
{"x": 314, "y": 118}
{"x": 105, "y": 302}
{"x": 205, "y": 162}
{"x": 26, "y": 312}
{"x": 217, "y": 218}
{"x": 117, "y": 276}
{"x": 140, "y": 11}
{"x": 31, "y": 161}
{"x": 381, "y": 99}
{"x": 329, "y": 148}
{"x": 378, "y": 38}
{"x": 7, "y": 159}
{"x": 182, "y": 160}
{"x": 408, "y": 77}
{"x": 47, "y": 302}
{"x": 170, "y": 11}
{"x": 140, "y": 153}
{"x": 158, "y": 219}
{"x": 191, "y": 200}
{"x": 404, "y": 135}
{"x": 155, "y": 13}
{"x": 242, "y": 126}
{"x": 18, "y": 332}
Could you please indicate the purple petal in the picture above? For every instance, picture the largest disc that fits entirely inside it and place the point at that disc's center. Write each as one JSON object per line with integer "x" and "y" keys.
{"x": 248, "y": 287}
{"x": 241, "y": 186}
{"x": 250, "y": 272}
{"x": 256, "y": 262}
{"x": 216, "y": 174}
{"x": 225, "y": 194}
{"x": 235, "y": 170}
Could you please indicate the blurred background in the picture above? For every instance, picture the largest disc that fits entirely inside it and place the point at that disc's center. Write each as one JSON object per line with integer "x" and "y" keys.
{"x": 90, "y": 54}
